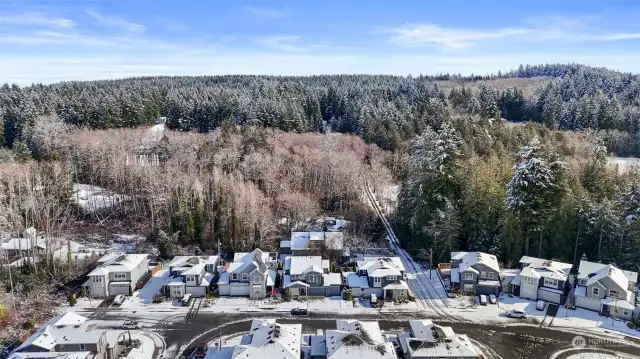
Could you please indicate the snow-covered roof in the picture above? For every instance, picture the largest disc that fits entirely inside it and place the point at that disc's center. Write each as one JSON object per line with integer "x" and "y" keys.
{"x": 118, "y": 263}
{"x": 182, "y": 261}
{"x": 615, "y": 274}
{"x": 356, "y": 339}
{"x": 433, "y": 341}
{"x": 489, "y": 283}
{"x": 396, "y": 286}
{"x": 24, "y": 244}
{"x": 515, "y": 281}
{"x": 52, "y": 355}
{"x": 614, "y": 302}
{"x": 100, "y": 271}
{"x": 551, "y": 290}
{"x": 297, "y": 265}
{"x": 285, "y": 244}
{"x": 473, "y": 258}
{"x": 271, "y": 277}
{"x": 318, "y": 345}
{"x": 587, "y": 268}
{"x": 195, "y": 270}
{"x": 356, "y": 281}
{"x": 256, "y": 255}
{"x": 547, "y": 268}
{"x": 330, "y": 240}
{"x": 331, "y": 279}
{"x": 109, "y": 257}
{"x": 580, "y": 291}
{"x": 68, "y": 328}
{"x": 286, "y": 282}
{"x": 270, "y": 340}
{"x": 381, "y": 266}
{"x": 466, "y": 267}
{"x": 224, "y": 278}
{"x": 529, "y": 272}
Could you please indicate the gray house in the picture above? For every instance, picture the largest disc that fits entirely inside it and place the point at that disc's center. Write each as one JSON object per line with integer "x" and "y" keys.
{"x": 605, "y": 289}
{"x": 542, "y": 279}
{"x": 385, "y": 277}
{"x": 309, "y": 276}
{"x": 251, "y": 274}
{"x": 327, "y": 244}
{"x": 475, "y": 273}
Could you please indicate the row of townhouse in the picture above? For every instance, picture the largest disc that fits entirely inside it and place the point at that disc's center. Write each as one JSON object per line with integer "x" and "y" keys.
{"x": 68, "y": 336}
{"x": 596, "y": 286}
{"x": 350, "y": 339}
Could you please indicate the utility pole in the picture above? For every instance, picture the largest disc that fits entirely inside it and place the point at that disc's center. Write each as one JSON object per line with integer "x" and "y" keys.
{"x": 220, "y": 339}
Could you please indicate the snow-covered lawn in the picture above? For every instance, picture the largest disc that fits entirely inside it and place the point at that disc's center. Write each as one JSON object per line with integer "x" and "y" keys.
{"x": 314, "y": 305}
{"x": 590, "y": 320}
{"x": 92, "y": 198}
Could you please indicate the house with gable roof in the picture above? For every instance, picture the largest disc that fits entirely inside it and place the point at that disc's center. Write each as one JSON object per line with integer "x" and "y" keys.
{"x": 427, "y": 340}
{"x": 357, "y": 339}
{"x": 330, "y": 244}
{"x": 118, "y": 273}
{"x": 606, "y": 289}
{"x": 268, "y": 339}
{"x": 385, "y": 277}
{"x": 309, "y": 276}
{"x": 542, "y": 279}
{"x": 251, "y": 274}
{"x": 475, "y": 273}
{"x": 191, "y": 275}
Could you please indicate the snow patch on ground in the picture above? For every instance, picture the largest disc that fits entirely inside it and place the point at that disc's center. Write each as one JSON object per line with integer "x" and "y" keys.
{"x": 93, "y": 198}
{"x": 590, "y": 320}
{"x": 624, "y": 164}
{"x": 592, "y": 356}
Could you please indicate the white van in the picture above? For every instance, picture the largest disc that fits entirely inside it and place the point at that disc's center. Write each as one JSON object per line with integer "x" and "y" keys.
{"x": 483, "y": 299}
{"x": 374, "y": 300}
{"x": 119, "y": 299}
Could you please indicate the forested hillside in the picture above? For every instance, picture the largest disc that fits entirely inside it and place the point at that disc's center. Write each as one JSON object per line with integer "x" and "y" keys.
{"x": 385, "y": 110}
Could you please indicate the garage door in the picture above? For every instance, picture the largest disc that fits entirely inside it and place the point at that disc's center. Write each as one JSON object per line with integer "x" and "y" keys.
{"x": 239, "y": 291}
{"x": 552, "y": 297}
{"x": 528, "y": 292}
{"x": 224, "y": 290}
{"x": 115, "y": 289}
{"x": 196, "y": 291}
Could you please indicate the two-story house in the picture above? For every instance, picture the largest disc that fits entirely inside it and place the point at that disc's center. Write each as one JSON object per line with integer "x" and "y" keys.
{"x": 542, "y": 279}
{"x": 191, "y": 275}
{"x": 475, "y": 273}
{"x": 268, "y": 339}
{"x": 328, "y": 244}
{"x": 357, "y": 339}
{"x": 385, "y": 277}
{"x": 117, "y": 274}
{"x": 66, "y": 333}
{"x": 427, "y": 340}
{"x": 251, "y": 274}
{"x": 309, "y": 276}
{"x": 606, "y": 289}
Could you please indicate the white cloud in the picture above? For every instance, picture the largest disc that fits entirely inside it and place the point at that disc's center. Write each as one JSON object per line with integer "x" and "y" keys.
{"x": 266, "y": 12}
{"x": 552, "y": 29}
{"x": 116, "y": 22}
{"x": 38, "y": 20}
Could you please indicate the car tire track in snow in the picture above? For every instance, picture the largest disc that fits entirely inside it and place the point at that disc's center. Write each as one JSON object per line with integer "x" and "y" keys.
{"x": 435, "y": 302}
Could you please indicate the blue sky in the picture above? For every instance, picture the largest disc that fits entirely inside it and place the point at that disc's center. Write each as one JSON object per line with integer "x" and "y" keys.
{"x": 54, "y": 40}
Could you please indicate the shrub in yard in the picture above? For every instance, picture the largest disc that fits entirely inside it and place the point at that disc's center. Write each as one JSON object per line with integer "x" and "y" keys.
{"x": 72, "y": 300}
{"x": 286, "y": 295}
{"x": 130, "y": 292}
{"x": 83, "y": 292}
{"x": 346, "y": 295}
{"x": 411, "y": 298}
{"x": 631, "y": 325}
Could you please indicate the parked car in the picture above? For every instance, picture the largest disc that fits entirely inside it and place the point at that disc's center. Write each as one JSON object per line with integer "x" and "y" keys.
{"x": 374, "y": 300}
{"x": 299, "y": 311}
{"x": 131, "y": 324}
{"x": 516, "y": 313}
{"x": 186, "y": 300}
{"x": 451, "y": 294}
{"x": 119, "y": 299}
{"x": 541, "y": 305}
{"x": 493, "y": 299}
{"x": 483, "y": 299}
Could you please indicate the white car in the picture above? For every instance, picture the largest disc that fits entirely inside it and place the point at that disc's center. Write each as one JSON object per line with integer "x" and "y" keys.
{"x": 119, "y": 299}
{"x": 516, "y": 313}
{"x": 493, "y": 299}
{"x": 131, "y": 325}
{"x": 541, "y": 304}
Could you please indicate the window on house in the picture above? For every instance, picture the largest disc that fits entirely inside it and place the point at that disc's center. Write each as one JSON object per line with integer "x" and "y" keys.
{"x": 468, "y": 287}
{"x": 595, "y": 292}
{"x": 392, "y": 278}
{"x": 245, "y": 276}
{"x": 550, "y": 282}
{"x": 489, "y": 275}
{"x": 257, "y": 279}
{"x": 616, "y": 310}
{"x": 256, "y": 291}
{"x": 583, "y": 282}
{"x": 614, "y": 293}
{"x": 82, "y": 347}
{"x": 468, "y": 276}
{"x": 234, "y": 276}
{"x": 626, "y": 312}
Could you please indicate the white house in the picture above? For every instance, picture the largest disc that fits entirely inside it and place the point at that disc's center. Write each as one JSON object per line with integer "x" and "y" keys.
{"x": 541, "y": 279}
{"x": 430, "y": 341}
{"x": 117, "y": 273}
{"x": 606, "y": 289}
{"x": 191, "y": 275}
{"x": 385, "y": 278}
{"x": 308, "y": 243}
{"x": 309, "y": 276}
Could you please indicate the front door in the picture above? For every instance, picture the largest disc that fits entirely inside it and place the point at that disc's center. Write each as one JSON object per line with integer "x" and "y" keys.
{"x": 302, "y": 291}
{"x": 606, "y": 310}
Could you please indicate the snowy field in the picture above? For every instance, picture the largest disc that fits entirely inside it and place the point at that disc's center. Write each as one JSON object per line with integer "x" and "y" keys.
{"x": 93, "y": 198}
